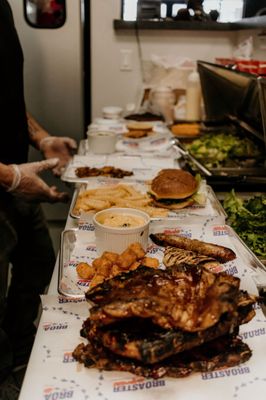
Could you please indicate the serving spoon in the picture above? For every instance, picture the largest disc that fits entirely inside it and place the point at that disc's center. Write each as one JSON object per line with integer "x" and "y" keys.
{"x": 185, "y": 154}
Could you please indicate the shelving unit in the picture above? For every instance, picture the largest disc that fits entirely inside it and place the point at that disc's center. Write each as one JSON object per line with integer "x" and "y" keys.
{"x": 246, "y": 23}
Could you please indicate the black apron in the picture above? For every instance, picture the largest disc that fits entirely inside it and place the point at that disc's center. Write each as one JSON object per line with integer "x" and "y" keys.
{"x": 14, "y": 140}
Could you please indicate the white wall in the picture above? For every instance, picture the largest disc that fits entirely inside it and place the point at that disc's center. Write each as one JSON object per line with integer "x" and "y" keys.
{"x": 110, "y": 86}
{"x": 259, "y": 42}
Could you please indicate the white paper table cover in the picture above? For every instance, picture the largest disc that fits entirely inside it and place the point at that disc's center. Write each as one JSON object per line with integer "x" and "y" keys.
{"x": 54, "y": 374}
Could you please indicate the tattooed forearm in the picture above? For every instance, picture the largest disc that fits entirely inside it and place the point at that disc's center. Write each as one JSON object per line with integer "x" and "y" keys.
{"x": 36, "y": 132}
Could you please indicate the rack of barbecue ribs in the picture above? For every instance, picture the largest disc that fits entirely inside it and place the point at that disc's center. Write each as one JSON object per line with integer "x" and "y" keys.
{"x": 170, "y": 322}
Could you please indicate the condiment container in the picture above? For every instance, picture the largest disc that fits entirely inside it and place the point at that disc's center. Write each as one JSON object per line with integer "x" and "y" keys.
{"x": 112, "y": 112}
{"x": 117, "y": 228}
{"x": 193, "y": 97}
{"x": 162, "y": 99}
{"x": 102, "y": 142}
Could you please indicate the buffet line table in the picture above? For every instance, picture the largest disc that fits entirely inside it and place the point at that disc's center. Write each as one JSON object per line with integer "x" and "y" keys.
{"x": 53, "y": 373}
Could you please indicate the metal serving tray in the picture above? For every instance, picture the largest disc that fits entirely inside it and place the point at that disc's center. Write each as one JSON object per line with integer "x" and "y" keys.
{"x": 143, "y": 168}
{"x": 245, "y": 196}
{"x": 254, "y": 262}
{"x": 213, "y": 204}
{"x": 79, "y": 246}
{"x": 251, "y": 173}
{"x": 67, "y": 244}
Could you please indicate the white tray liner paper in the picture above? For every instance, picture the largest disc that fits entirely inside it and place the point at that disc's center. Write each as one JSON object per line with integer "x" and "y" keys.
{"x": 53, "y": 372}
{"x": 156, "y": 148}
{"x": 211, "y": 211}
{"x": 84, "y": 250}
{"x": 157, "y": 144}
{"x": 144, "y": 168}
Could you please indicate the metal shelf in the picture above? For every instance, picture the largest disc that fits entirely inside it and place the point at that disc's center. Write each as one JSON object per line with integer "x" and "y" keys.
{"x": 246, "y": 23}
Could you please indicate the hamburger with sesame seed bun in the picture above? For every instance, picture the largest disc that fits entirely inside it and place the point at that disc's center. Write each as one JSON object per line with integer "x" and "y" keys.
{"x": 175, "y": 189}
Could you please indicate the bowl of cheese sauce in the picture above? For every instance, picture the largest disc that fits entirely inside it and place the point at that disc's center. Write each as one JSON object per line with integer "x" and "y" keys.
{"x": 117, "y": 228}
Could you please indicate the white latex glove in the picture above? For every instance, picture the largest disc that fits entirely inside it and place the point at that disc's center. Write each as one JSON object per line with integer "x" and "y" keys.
{"x": 27, "y": 184}
{"x": 60, "y": 147}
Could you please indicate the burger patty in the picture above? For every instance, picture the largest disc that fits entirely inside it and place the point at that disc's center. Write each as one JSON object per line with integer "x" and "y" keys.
{"x": 173, "y": 204}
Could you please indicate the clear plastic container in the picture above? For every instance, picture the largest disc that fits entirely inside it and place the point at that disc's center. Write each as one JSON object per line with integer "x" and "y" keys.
{"x": 193, "y": 97}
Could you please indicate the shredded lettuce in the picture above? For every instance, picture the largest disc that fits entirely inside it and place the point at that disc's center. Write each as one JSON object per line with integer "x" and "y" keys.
{"x": 216, "y": 150}
{"x": 199, "y": 198}
{"x": 248, "y": 219}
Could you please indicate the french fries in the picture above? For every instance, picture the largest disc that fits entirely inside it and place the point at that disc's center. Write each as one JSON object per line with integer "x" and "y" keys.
{"x": 120, "y": 195}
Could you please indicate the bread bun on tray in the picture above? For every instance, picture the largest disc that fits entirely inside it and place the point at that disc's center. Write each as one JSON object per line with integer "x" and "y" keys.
{"x": 138, "y": 130}
{"x": 139, "y": 125}
{"x": 174, "y": 189}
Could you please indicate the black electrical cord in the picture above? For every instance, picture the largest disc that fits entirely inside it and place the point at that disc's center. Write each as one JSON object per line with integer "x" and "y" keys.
{"x": 140, "y": 54}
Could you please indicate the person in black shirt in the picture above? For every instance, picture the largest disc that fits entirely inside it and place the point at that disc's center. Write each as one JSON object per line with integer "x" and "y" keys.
{"x": 25, "y": 242}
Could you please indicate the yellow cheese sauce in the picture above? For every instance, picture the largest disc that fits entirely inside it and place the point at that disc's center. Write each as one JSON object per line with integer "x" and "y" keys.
{"x": 115, "y": 220}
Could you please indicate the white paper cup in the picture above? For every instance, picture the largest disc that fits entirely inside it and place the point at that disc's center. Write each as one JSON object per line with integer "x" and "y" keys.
{"x": 117, "y": 239}
{"x": 102, "y": 142}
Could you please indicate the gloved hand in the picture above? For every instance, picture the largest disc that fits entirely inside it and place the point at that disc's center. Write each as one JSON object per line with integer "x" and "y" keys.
{"x": 27, "y": 184}
{"x": 60, "y": 147}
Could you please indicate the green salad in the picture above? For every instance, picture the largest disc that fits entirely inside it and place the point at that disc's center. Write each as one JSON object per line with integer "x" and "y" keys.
{"x": 215, "y": 150}
{"x": 248, "y": 219}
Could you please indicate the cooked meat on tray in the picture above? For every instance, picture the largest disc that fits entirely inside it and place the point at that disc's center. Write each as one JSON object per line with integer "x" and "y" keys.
{"x": 147, "y": 342}
{"x": 174, "y": 256}
{"x": 166, "y": 322}
{"x": 88, "y": 172}
{"x": 220, "y": 253}
{"x": 224, "y": 352}
{"x": 193, "y": 300}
